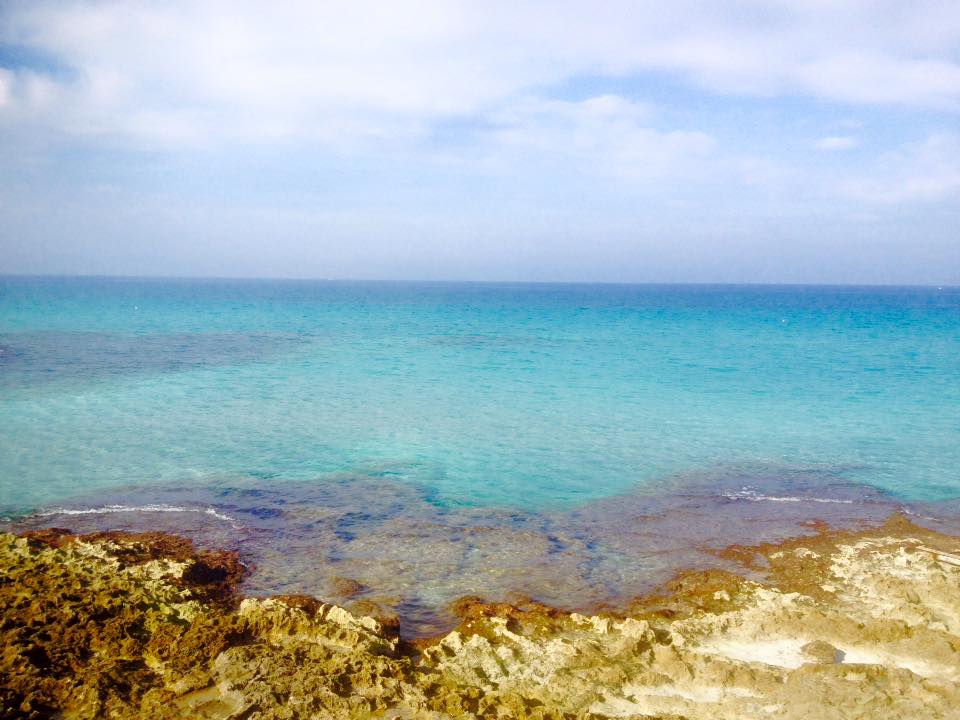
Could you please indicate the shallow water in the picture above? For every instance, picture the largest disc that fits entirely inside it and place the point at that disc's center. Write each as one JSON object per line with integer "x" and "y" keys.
{"x": 414, "y": 555}
{"x": 576, "y": 443}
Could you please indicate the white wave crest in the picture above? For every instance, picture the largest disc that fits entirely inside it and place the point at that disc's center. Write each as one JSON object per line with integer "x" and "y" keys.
{"x": 753, "y": 496}
{"x": 908, "y": 511}
{"x": 160, "y": 508}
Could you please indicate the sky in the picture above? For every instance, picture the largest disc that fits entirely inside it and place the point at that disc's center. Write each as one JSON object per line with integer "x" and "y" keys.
{"x": 812, "y": 141}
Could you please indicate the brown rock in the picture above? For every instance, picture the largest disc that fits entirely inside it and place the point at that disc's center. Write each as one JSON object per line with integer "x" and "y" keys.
{"x": 143, "y": 626}
{"x": 347, "y": 587}
{"x": 819, "y": 651}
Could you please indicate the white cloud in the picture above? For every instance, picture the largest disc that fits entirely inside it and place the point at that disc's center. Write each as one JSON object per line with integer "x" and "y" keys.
{"x": 928, "y": 171}
{"x": 605, "y": 135}
{"x": 836, "y": 142}
{"x": 871, "y": 77}
{"x": 6, "y": 87}
{"x": 23, "y": 94}
{"x": 177, "y": 72}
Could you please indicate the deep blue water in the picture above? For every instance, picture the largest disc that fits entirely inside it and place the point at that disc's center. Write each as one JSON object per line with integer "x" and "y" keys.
{"x": 528, "y": 399}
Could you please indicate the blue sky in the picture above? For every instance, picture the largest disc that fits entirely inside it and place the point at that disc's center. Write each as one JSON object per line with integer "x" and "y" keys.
{"x": 627, "y": 141}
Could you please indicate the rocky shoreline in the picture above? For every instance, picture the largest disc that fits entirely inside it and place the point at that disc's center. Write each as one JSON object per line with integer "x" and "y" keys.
{"x": 842, "y": 624}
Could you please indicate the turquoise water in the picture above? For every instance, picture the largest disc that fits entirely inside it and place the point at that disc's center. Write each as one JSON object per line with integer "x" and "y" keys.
{"x": 518, "y": 395}
{"x": 331, "y": 421}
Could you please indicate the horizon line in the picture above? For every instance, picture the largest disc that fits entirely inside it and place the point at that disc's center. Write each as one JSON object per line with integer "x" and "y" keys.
{"x": 451, "y": 281}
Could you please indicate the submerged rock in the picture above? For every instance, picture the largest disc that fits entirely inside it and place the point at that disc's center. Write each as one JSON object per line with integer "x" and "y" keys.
{"x": 853, "y": 625}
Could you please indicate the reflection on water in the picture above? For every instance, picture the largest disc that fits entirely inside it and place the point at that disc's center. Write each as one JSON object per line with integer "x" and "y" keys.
{"x": 414, "y": 555}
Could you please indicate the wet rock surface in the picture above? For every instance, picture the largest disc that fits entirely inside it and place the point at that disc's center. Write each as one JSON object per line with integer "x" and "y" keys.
{"x": 839, "y": 624}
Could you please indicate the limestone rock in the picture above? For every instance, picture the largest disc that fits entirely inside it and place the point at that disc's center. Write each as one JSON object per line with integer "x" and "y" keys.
{"x": 854, "y": 625}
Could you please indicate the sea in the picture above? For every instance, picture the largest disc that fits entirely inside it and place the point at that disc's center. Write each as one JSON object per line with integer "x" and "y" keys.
{"x": 574, "y": 443}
